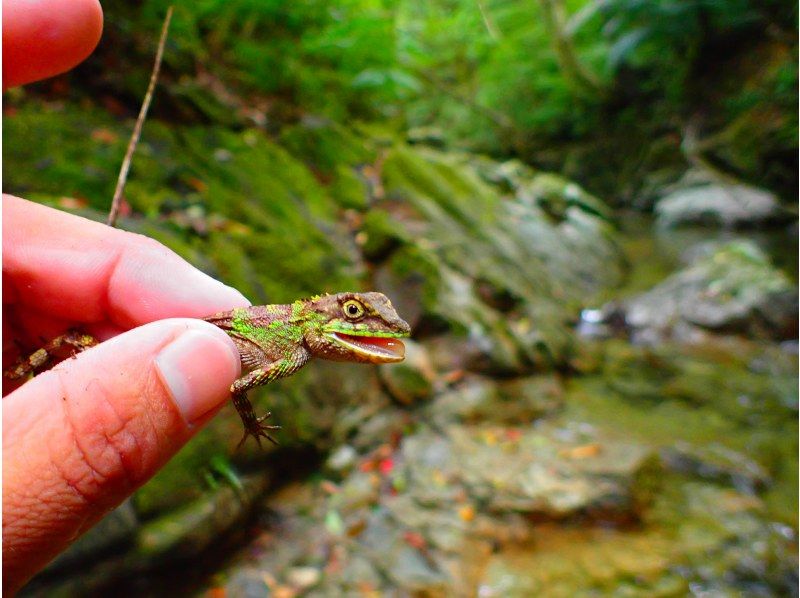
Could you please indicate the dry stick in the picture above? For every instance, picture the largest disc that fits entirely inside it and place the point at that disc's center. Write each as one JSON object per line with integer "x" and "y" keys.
{"x": 137, "y": 129}
{"x": 494, "y": 32}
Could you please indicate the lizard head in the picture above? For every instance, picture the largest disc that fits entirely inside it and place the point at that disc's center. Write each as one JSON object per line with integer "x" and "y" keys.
{"x": 360, "y": 327}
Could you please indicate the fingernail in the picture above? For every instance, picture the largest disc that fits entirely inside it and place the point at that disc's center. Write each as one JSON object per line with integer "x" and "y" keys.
{"x": 197, "y": 369}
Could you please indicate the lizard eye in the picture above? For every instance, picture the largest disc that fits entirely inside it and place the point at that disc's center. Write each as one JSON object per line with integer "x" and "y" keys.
{"x": 353, "y": 309}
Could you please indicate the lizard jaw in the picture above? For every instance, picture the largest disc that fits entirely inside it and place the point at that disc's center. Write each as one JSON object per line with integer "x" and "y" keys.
{"x": 372, "y": 349}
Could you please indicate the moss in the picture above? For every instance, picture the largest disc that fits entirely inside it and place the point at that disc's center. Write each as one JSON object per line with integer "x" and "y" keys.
{"x": 326, "y": 146}
{"x": 499, "y": 268}
{"x": 419, "y": 263}
{"x": 381, "y": 235}
{"x": 180, "y": 481}
{"x": 193, "y": 98}
{"x": 46, "y": 150}
{"x": 235, "y": 267}
{"x": 557, "y": 193}
{"x": 191, "y": 529}
{"x": 347, "y": 189}
{"x": 426, "y": 179}
{"x": 713, "y": 404}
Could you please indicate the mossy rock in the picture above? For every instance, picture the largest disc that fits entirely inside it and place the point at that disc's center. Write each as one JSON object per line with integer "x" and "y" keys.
{"x": 325, "y": 146}
{"x": 494, "y": 266}
{"x": 734, "y": 290}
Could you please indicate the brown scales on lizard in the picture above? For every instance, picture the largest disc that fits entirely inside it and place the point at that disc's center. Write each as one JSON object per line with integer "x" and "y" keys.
{"x": 274, "y": 341}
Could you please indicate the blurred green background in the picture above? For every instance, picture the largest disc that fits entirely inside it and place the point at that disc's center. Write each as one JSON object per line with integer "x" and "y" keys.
{"x": 585, "y": 209}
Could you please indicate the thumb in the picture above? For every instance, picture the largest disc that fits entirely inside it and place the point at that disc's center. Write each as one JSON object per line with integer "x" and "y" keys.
{"x": 78, "y": 439}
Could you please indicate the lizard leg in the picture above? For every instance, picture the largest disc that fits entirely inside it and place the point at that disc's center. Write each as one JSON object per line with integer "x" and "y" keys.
{"x": 254, "y": 426}
{"x": 39, "y": 358}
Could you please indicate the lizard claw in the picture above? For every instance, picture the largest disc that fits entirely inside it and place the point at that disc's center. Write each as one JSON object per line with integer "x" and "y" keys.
{"x": 258, "y": 430}
{"x": 265, "y": 417}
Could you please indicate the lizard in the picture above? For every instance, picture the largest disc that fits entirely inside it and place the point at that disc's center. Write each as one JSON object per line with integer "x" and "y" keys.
{"x": 275, "y": 341}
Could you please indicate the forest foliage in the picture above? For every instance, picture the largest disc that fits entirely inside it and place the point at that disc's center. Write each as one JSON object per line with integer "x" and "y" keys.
{"x": 605, "y": 91}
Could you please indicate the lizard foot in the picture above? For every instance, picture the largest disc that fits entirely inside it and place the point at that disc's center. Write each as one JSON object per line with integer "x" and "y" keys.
{"x": 258, "y": 429}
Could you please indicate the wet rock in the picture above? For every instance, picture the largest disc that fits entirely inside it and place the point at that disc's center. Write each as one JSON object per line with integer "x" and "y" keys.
{"x": 553, "y": 192}
{"x": 360, "y": 575}
{"x": 734, "y": 290}
{"x": 448, "y": 500}
{"x": 410, "y": 570}
{"x": 718, "y": 463}
{"x": 582, "y": 562}
{"x": 470, "y": 400}
{"x": 525, "y": 471}
{"x": 247, "y": 582}
{"x": 729, "y": 545}
{"x": 342, "y": 459}
{"x": 360, "y": 490}
{"x": 328, "y": 402}
{"x": 399, "y": 557}
{"x": 557, "y": 195}
{"x": 115, "y": 530}
{"x": 504, "y": 272}
{"x": 196, "y": 526}
{"x": 719, "y": 204}
{"x": 377, "y": 426}
{"x": 303, "y": 578}
{"x": 517, "y": 401}
{"x": 507, "y": 175}
{"x": 530, "y": 397}
{"x": 708, "y": 527}
{"x": 731, "y": 380}
{"x": 708, "y": 539}
{"x": 576, "y": 503}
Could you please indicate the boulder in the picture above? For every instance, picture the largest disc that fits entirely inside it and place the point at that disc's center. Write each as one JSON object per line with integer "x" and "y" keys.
{"x": 734, "y": 290}
{"x": 719, "y": 204}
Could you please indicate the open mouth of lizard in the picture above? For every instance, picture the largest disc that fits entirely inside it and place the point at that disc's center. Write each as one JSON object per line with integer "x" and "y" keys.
{"x": 373, "y": 348}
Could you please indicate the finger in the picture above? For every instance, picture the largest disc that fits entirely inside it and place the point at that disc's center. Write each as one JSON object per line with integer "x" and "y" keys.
{"x": 82, "y": 271}
{"x": 42, "y": 38}
{"x": 77, "y": 440}
{"x": 28, "y": 329}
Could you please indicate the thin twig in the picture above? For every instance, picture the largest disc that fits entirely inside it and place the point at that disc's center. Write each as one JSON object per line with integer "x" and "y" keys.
{"x": 494, "y": 32}
{"x": 137, "y": 129}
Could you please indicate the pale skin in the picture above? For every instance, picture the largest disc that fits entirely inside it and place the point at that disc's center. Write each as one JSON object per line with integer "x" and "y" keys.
{"x": 79, "y": 439}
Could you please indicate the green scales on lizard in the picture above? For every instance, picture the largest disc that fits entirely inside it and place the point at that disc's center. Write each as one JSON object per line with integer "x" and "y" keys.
{"x": 274, "y": 341}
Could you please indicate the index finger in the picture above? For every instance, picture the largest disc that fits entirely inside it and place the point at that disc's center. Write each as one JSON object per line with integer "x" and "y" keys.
{"x": 82, "y": 271}
{"x": 47, "y": 37}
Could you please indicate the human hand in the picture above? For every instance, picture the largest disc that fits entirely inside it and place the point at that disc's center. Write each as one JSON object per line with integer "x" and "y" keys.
{"x": 47, "y": 37}
{"x": 80, "y": 438}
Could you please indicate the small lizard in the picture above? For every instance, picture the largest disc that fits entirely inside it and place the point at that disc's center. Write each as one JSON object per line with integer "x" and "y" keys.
{"x": 274, "y": 341}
